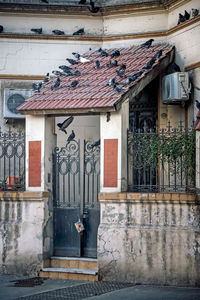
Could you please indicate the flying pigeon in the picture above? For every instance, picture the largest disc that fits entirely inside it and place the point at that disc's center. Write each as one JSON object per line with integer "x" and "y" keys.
{"x": 37, "y": 86}
{"x": 62, "y": 126}
{"x": 97, "y": 64}
{"x": 82, "y": 2}
{"x": 1, "y": 28}
{"x": 70, "y": 137}
{"x": 76, "y": 55}
{"x": 58, "y": 32}
{"x": 113, "y": 63}
{"x": 37, "y": 30}
{"x": 92, "y": 8}
{"x": 181, "y": 19}
{"x": 102, "y": 52}
{"x": 96, "y": 144}
{"x": 57, "y": 73}
{"x": 194, "y": 12}
{"x": 72, "y": 61}
{"x": 147, "y": 44}
{"x": 47, "y": 78}
{"x": 117, "y": 89}
{"x": 197, "y": 104}
{"x": 116, "y": 53}
{"x": 112, "y": 81}
{"x": 79, "y": 32}
{"x": 186, "y": 15}
{"x": 73, "y": 84}
{"x": 56, "y": 84}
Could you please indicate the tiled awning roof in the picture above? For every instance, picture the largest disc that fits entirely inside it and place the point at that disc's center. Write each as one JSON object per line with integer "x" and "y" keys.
{"x": 93, "y": 93}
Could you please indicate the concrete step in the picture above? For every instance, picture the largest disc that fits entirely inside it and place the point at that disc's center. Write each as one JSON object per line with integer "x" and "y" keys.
{"x": 74, "y": 262}
{"x": 70, "y": 273}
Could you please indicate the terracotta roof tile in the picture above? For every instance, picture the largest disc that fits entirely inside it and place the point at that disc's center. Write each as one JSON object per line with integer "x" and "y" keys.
{"x": 93, "y": 90}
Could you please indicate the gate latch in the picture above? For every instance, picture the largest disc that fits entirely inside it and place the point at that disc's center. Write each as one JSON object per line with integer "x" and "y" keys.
{"x": 79, "y": 226}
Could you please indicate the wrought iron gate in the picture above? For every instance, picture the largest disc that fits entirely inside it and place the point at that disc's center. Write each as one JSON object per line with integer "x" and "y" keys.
{"x": 75, "y": 191}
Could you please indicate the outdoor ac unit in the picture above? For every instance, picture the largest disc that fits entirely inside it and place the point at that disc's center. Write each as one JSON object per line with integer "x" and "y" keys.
{"x": 12, "y": 99}
{"x": 175, "y": 87}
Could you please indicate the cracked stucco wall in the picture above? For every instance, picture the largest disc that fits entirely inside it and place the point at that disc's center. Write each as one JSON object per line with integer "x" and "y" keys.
{"x": 22, "y": 229}
{"x": 150, "y": 242}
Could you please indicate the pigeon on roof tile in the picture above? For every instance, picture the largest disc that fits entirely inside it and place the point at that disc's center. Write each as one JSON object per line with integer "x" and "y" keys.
{"x": 79, "y": 32}
{"x": 47, "y": 78}
{"x": 63, "y": 67}
{"x": 72, "y": 61}
{"x": 58, "y": 32}
{"x": 147, "y": 44}
{"x": 37, "y": 86}
{"x": 62, "y": 126}
{"x": 1, "y": 28}
{"x": 70, "y": 137}
{"x": 37, "y": 30}
{"x": 112, "y": 81}
{"x": 120, "y": 73}
{"x": 158, "y": 54}
{"x": 112, "y": 63}
{"x": 57, "y": 73}
{"x": 117, "y": 89}
{"x": 149, "y": 64}
{"x": 122, "y": 67}
{"x": 83, "y": 60}
{"x": 73, "y": 84}
{"x": 97, "y": 64}
{"x": 102, "y": 52}
{"x": 76, "y": 55}
{"x": 116, "y": 53}
{"x": 56, "y": 84}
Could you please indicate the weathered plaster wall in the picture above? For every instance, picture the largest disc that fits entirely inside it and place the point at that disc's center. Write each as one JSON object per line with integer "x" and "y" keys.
{"x": 152, "y": 239}
{"x": 21, "y": 232}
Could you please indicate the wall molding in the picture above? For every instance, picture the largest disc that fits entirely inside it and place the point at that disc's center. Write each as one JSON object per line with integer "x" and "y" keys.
{"x": 192, "y": 66}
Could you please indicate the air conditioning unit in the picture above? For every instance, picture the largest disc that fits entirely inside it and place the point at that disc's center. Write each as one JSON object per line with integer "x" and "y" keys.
{"x": 12, "y": 99}
{"x": 175, "y": 87}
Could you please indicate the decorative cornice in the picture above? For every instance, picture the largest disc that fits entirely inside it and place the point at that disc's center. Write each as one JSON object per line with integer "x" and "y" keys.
{"x": 22, "y": 77}
{"x": 192, "y": 67}
{"x": 102, "y": 38}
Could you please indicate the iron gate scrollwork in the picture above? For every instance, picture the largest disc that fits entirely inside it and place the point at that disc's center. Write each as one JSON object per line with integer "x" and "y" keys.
{"x": 75, "y": 189}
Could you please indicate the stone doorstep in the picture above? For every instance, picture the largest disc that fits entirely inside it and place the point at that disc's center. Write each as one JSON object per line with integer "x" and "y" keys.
{"x": 70, "y": 273}
{"x": 73, "y": 263}
{"x": 74, "y": 258}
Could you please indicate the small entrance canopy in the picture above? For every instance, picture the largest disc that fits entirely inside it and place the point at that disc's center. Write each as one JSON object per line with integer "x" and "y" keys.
{"x": 103, "y": 88}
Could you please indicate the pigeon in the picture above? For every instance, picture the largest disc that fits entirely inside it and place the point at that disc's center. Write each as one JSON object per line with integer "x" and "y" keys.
{"x": 186, "y": 15}
{"x": 84, "y": 60}
{"x": 65, "y": 68}
{"x": 58, "y": 32}
{"x": 194, "y": 12}
{"x": 73, "y": 84}
{"x": 112, "y": 81}
{"x": 97, "y": 64}
{"x": 120, "y": 73}
{"x": 147, "y": 44}
{"x": 116, "y": 53}
{"x": 123, "y": 67}
{"x": 102, "y": 52}
{"x": 70, "y": 137}
{"x": 37, "y": 86}
{"x": 158, "y": 54}
{"x": 197, "y": 104}
{"x": 79, "y": 32}
{"x": 57, "y": 73}
{"x": 181, "y": 19}
{"x": 133, "y": 77}
{"x": 128, "y": 80}
{"x": 113, "y": 63}
{"x": 76, "y": 55}
{"x": 62, "y": 126}
{"x": 82, "y": 2}
{"x": 56, "y": 84}
{"x": 92, "y": 8}
{"x": 117, "y": 89}
{"x": 96, "y": 144}
{"x": 1, "y": 28}
{"x": 47, "y": 78}
{"x": 76, "y": 73}
{"x": 37, "y": 30}
{"x": 149, "y": 64}
{"x": 72, "y": 61}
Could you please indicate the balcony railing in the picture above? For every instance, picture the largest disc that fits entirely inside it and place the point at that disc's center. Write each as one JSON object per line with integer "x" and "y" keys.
{"x": 161, "y": 160}
{"x": 12, "y": 160}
